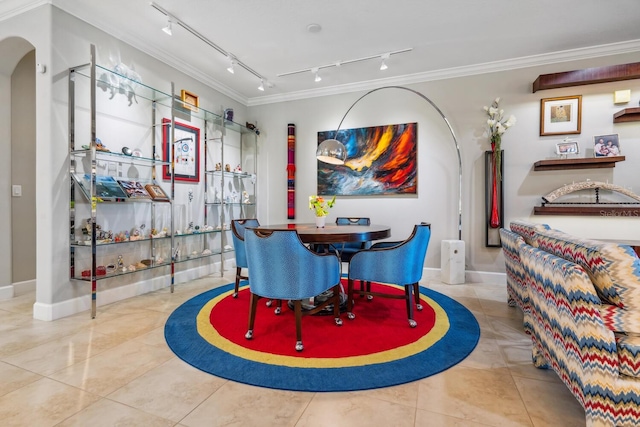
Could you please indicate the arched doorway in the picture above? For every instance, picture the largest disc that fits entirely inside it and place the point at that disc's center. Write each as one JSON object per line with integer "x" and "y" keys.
{"x": 17, "y": 167}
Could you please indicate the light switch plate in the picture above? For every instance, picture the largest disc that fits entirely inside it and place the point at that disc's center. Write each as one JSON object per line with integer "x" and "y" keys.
{"x": 16, "y": 190}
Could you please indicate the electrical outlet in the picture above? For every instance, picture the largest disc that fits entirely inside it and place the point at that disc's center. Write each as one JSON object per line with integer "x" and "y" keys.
{"x": 16, "y": 190}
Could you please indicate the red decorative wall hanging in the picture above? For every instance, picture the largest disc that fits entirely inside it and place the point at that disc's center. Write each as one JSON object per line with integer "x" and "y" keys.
{"x": 291, "y": 171}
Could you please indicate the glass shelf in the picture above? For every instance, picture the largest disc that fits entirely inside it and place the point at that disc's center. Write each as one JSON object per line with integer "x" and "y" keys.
{"x": 194, "y": 257}
{"x": 242, "y": 175}
{"x": 122, "y": 273}
{"x": 82, "y": 244}
{"x": 111, "y": 156}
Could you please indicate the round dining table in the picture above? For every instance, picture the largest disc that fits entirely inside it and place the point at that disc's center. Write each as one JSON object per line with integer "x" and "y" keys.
{"x": 331, "y": 233}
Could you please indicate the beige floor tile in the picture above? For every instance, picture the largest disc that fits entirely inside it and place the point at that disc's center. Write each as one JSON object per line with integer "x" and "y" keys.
{"x": 106, "y": 413}
{"x": 14, "y": 378}
{"x": 242, "y": 405}
{"x": 486, "y": 355}
{"x": 518, "y": 359}
{"x": 63, "y": 352}
{"x": 486, "y": 396}
{"x": 113, "y": 368}
{"x": 132, "y": 325}
{"x": 433, "y": 419}
{"x": 405, "y": 394}
{"x": 42, "y": 403}
{"x": 550, "y": 404}
{"x": 355, "y": 410}
{"x": 171, "y": 390}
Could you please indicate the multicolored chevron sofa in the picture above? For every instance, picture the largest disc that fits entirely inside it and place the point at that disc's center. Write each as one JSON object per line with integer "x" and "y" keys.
{"x": 581, "y": 304}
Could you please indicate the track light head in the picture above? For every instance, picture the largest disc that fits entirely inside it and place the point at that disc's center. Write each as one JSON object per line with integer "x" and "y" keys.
{"x": 317, "y": 76}
{"x": 231, "y": 68}
{"x": 383, "y": 64}
{"x": 261, "y": 87}
{"x": 168, "y": 29}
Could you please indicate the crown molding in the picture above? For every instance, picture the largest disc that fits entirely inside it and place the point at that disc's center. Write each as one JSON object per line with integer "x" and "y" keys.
{"x": 11, "y": 8}
{"x": 456, "y": 72}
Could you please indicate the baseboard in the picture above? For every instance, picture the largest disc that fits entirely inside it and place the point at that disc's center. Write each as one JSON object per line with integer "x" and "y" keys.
{"x": 21, "y": 288}
{"x": 49, "y": 312}
{"x": 479, "y": 277}
{"x": 6, "y": 292}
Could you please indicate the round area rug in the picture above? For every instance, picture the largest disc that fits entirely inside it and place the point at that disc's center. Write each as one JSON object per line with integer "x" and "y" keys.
{"x": 376, "y": 349}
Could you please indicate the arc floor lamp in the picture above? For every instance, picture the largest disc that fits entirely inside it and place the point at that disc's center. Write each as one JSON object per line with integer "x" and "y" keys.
{"x": 334, "y": 152}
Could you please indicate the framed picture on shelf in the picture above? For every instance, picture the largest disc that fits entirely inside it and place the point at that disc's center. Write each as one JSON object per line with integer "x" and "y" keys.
{"x": 567, "y": 147}
{"x": 156, "y": 192}
{"x": 561, "y": 116}
{"x": 134, "y": 189}
{"x": 606, "y": 146}
{"x": 186, "y": 151}
{"x": 107, "y": 188}
{"x": 189, "y": 100}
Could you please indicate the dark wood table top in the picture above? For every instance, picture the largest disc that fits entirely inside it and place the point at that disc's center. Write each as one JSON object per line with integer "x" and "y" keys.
{"x": 332, "y": 233}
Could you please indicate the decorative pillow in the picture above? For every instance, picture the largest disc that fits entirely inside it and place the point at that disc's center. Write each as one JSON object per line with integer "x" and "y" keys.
{"x": 527, "y": 230}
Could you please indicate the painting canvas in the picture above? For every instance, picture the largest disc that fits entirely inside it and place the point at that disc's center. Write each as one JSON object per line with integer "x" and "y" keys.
{"x": 381, "y": 160}
{"x": 186, "y": 143}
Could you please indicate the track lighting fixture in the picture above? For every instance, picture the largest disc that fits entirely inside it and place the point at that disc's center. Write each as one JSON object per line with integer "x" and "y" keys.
{"x": 171, "y": 19}
{"x": 317, "y": 76}
{"x": 261, "y": 87}
{"x": 168, "y": 29}
{"x": 383, "y": 64}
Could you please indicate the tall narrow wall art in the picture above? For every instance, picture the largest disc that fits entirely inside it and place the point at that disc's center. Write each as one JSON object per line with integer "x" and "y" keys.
{"x": 291, "y": 171}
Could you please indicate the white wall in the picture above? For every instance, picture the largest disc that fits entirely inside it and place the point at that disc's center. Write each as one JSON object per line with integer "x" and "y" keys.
{"x": 461, "y": 100}
{"x": 62, "y": 41}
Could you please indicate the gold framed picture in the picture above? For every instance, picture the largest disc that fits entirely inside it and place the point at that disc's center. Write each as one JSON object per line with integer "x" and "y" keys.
{"x": 561, "y": 115}
{"x": 189, "y": 100}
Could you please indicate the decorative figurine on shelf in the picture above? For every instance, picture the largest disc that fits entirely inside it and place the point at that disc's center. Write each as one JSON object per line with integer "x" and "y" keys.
{"x": 238, "y": 169}
{"x": 234, "y": 196}
{"x": 100, "y": 146}
{"x": 245, "y": 197}
{"x": 253, "y": 128}
{"x": 227, "y": 167}
{"x": 190, "y": 228}
{"x": 228, "y": 114}
{"x": 120, "y": 264}
{"x": 218, "y": 166}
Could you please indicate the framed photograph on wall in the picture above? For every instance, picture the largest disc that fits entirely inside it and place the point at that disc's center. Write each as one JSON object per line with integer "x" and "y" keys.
{"x": 190, "y": 100}
{"x": 606, "y": 146}
{"x": 186, "y": 155}
{"x": 561, "y": 116}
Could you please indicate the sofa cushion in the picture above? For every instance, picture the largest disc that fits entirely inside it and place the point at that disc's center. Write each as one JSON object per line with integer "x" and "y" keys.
{"x": 527, "y": 230}
{"x": 621, "y": 320}
{"x": 613, "y": 269}
{"x": 516, "y": 289}
{"x": 628, "y": 355}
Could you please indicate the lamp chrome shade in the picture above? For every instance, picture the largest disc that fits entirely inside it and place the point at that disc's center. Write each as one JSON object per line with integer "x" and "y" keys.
{"x": 332, "y": 151}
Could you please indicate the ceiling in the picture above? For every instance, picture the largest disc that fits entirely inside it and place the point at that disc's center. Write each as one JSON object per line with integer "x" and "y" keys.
{"x": 447, "y": 38}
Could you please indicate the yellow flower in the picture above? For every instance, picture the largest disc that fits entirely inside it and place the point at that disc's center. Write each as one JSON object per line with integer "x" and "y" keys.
{"x": 320, "y": 206}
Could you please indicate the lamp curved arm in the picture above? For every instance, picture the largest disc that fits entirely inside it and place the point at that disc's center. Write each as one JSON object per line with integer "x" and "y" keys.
{"x": 453, "y": 135}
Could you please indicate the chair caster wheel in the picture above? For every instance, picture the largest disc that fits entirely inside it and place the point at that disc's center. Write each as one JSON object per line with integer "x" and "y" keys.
{"x": 419, "y": 307}
{"x": 277, "y": 311}
{"x": 338, "y": 322}
{"x": 413, "y": 323}
{"x": 249, "y": 334}
{"x": 235, "y": 295}
{"x": 351, "y": 316}
{"x": 299, "y": 346}
{"x": 269, "y": 303}
{"x": 369, "y": 297}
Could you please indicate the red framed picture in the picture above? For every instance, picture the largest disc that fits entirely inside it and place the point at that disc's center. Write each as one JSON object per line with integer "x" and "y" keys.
{"x": 186, "y": 152}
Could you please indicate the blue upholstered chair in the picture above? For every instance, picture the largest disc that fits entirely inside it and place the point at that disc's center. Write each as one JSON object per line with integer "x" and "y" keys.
{"x": 238, "y": 227}
{"x": 349, "y": 248}
{"x": 398, "y": 263}
{"x": 283, "y": 268}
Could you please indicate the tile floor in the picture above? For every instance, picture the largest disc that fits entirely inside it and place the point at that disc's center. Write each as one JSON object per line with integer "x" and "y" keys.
{"x": 117, "y": 370}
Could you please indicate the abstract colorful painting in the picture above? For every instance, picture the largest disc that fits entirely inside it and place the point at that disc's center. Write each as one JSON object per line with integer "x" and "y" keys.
{"x": 380, "y": 160}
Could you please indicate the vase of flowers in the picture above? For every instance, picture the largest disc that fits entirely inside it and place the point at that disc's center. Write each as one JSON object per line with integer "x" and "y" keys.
{"x": 320, "y": 208}
{"x": 497, "y": 126}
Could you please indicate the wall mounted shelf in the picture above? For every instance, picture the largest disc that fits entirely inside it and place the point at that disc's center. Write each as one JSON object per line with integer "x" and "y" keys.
{"x": 587, "y": 76}
{"x": 604, "y": 211}
{"x": 577, "y": 163}
{"x": 627, "y": 115}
